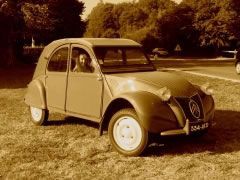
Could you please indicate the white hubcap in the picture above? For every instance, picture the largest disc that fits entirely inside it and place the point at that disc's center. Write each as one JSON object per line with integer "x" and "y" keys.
{"x": 238, "y": 68}
{"x": 127, "y": 133}
{"x": 36, "y": 113}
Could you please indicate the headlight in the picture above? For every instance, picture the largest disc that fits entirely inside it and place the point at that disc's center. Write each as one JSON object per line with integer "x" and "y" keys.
{"x": 207, "y": 89}
{"x": 164, "y": 93}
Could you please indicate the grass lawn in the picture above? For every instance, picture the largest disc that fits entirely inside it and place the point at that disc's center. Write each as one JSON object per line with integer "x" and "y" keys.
{"x": 72, "y": 148}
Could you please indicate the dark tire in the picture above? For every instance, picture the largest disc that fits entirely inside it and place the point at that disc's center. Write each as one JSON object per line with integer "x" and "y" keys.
{"x": 38, "y": 116}
{"x": 237, "y": 67}
{"x": 126, "y": 134}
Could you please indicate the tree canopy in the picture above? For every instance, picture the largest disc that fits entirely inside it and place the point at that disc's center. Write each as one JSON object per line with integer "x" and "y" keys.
{"x": 53, "y": 19}
{"x": 10, "y": 31}
{"x": 216, "y": 22}
{"x": 134, "y": 20}
{"x": 193, "y": 24}
{"x": 43, "y": 20}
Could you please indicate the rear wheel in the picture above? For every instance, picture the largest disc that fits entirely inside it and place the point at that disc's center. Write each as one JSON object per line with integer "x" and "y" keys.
{"x": 126, "y": 134}
{"x": 238, "y": 67}
{"x": 38, "y": 116}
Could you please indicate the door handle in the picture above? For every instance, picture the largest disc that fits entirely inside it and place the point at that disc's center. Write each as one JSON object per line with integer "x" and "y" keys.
{"x": 99, "y": 77}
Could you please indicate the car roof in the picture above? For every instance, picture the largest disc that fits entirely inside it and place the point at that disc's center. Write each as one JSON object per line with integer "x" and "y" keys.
{"x": 93, "y": 42}
{"x": 89, "y": 42}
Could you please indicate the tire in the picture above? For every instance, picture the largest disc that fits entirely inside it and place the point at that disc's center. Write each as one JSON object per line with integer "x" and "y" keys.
{"x": 237, "y": 67}
{"x": 38, "y": 116}
{"x": 126, "y": 134}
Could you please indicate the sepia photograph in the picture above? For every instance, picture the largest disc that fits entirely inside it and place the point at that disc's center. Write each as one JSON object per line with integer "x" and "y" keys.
{"x": 120, "y": 89}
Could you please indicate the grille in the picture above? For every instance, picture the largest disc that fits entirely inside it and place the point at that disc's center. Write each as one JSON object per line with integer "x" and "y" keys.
{"x": 184, "y": 103}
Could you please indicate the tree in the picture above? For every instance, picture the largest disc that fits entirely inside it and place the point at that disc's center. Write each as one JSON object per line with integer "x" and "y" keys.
{"x": 134, "y": 20}
{"x": 160, "y": 32}
{"x": 194, "y": 24}
{"x": 53, "y": 19}
{"x": 67, "y": 17}
{"x": 175, "y": 26}
{"x": 44, "y": 20}
{"x": 101, "y": 23}
{"x": 235, "y": 26}
{"x": 37, "y": 20}
{"x": 10, "y": 32}
{"x": 215, "y": 21}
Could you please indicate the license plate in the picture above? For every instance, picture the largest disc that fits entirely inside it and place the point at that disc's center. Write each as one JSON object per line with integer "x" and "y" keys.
{"x": 198, "y": 127}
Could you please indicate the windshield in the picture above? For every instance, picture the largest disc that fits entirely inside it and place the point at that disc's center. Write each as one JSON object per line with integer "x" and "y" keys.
{"x": 122, "y": 59}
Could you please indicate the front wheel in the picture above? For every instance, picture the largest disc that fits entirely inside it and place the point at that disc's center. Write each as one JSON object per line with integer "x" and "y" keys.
{"x": 38, "y": 116}
{"x": 126, "y": 134}
{"x": 238, "y": 67}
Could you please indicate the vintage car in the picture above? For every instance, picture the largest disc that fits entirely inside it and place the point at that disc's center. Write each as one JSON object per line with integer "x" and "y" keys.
{"x": 159, "y": 52}
{"x": 120, "y": 89}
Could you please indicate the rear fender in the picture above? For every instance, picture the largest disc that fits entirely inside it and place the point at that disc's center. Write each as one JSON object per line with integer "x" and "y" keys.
{"x": 36, "y": 95}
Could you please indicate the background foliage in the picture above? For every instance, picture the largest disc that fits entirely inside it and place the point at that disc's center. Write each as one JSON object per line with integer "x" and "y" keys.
{"x": 41, "y": 20}
{"x": 198, "y": 26}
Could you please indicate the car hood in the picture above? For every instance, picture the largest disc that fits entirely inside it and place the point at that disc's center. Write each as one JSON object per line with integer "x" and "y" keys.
{"x": 149, "y": 81}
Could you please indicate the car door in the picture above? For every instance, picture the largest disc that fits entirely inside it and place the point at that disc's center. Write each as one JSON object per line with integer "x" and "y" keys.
{"x": 56, "y": 78}
{"x": 84, "y": 87}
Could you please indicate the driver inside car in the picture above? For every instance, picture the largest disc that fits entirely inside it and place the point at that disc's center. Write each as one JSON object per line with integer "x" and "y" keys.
{"x": 83, "y": 64}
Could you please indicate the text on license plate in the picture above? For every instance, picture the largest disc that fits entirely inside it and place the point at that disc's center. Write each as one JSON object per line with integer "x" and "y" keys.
{"x": 199, "y": 127}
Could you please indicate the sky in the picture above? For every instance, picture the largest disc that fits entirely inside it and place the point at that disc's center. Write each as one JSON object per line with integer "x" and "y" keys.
{"x": 89, "y": 4}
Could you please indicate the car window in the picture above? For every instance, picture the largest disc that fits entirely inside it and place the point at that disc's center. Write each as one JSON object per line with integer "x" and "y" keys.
{"x": 121, "y": 56}
{"x": 122, "y": 59}
{"x": 81, "y": 61}
{"x": 113, "y": 56}
{"x": 58, "y": 61}
{"x": 134, "y": 56}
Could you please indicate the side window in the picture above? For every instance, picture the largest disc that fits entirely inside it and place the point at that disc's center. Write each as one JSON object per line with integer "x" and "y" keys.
{"x": 58, "y": 61}
{"x": 81, "y": 61}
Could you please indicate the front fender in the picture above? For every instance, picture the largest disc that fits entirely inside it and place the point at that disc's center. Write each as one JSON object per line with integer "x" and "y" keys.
{"x": 154, "y": 114}
{"x": 36, "y": 95}
{"x": 208, "y": 107}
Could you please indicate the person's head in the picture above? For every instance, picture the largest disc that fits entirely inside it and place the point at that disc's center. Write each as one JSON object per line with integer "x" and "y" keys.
{"x": 83, "y": 59}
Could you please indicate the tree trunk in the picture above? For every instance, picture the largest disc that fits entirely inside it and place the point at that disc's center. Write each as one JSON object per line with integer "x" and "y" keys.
{"x": 7, "y": 57}
{"x": 7, "y": 43}
{"x": 7, "y": 52}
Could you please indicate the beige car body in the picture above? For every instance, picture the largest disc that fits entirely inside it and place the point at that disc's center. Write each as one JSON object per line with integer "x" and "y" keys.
{"x": 96, "y": 96}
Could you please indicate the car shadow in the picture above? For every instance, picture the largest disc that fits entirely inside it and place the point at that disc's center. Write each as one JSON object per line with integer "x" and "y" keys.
{"x": 69, "y": 120}
{"x": 222, "y": 138}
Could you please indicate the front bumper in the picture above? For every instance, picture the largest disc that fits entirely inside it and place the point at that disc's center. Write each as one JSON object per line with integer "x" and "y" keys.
{"x": 189, "y": 128}
{"x": 189, "y": 124}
